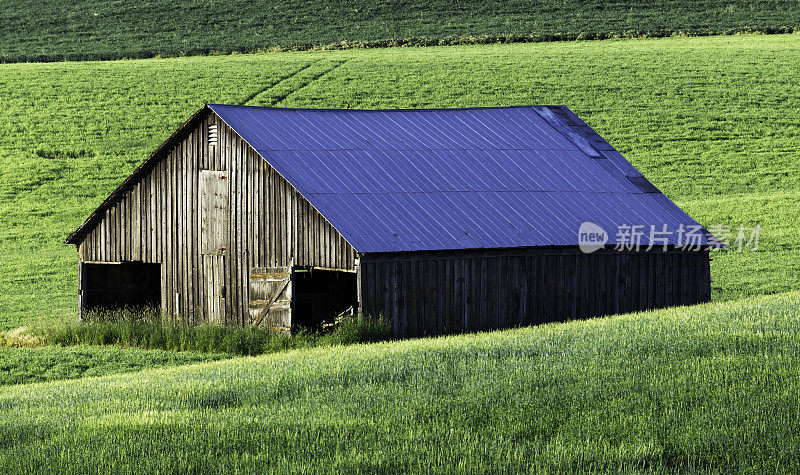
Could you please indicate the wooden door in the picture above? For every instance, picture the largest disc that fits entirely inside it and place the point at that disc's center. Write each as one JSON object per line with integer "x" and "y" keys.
{"x": 214, "y": 218}
{"x": 214, "y": 211}
{"x": 271, "y": 297}
{"x": 214, "y": 273}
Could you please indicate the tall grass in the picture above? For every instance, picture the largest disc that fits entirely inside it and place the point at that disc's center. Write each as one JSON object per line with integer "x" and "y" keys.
{"x": 149, "y": 329}
{"x": 711, "y": 388}
{"x": 31, "y": 365}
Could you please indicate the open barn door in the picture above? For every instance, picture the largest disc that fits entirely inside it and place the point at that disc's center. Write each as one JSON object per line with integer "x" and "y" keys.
{"x": 271, "y": 297}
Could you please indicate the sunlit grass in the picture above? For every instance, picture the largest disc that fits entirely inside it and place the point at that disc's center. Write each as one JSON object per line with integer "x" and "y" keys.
{"x": 30, "y": 365}
{"x": 706, "y": 388}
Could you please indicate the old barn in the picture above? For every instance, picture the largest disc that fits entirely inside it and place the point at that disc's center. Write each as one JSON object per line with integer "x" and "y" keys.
{"x": 442, "y": 220}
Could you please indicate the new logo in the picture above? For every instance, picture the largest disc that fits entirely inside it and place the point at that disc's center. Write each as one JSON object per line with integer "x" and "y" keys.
{"x": 591, "y": 237}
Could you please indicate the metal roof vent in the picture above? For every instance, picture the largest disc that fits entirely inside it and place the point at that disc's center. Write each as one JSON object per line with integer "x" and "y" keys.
{"x": 212, "y": 135}
{"x": 643, "y": 184}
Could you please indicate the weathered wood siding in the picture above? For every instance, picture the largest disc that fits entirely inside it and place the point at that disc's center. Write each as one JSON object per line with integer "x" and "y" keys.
{"x": 157, "y": 220}
{"x": 435, "y": 293}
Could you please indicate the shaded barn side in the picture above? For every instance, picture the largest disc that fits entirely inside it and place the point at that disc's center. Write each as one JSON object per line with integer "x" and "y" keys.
{"x": 157, "y": 216}
{"x": 436, "y": 293}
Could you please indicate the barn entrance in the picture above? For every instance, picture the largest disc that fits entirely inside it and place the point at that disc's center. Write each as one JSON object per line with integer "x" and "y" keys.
{"x": 288, "y": 298}
{"x": 321, "y": 294}
{"x": 133, "y": 285}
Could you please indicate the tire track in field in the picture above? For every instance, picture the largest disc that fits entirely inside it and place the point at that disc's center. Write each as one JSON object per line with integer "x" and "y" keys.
{"x": 272, "y": 96}
{"x": 275, "y": 83}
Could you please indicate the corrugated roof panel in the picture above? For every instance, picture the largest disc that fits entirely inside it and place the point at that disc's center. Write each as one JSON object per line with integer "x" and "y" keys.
{"x": 401, "y": 231}
{"x": 403, "y": 180}
{"x": 465, "y": 205}
{"x": 336, "y": 210}
{"x": 378, "y": 123}
{"x": 377, "y": 176}
{"x": 493, "y": 205}
{"x": 338, "y": 131}
{"x": 300, "y": 167}
{"x": 520, "y": 164}
{"x": 431, "y": 205}
{"x": 532, "y": 132}
{"x": 426, "y": 164}
{"x": 553, "y": 167}
{"x": 494, "y": 172}
{"x": 391, "y": 165}
{"x": 496, "y": 137}
{"x": 459, "y": 177}
{"x": 584, "y": 173}
{"x": 594, "y": 175}
{"x": 350, "y": 174}
{"x": 475, "y": 178}
{"x": 564, "y": 214}
{"x": 539, "y": 171}
{"x": 547, "y": 222}
{"x": 414, "y": 168}
{"x": 461, "y": 135}
{"x": 502, "y": 128}
{"x": 256, "y": 134}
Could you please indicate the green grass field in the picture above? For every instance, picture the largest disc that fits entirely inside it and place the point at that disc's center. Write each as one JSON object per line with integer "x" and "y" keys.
{"x": 33, "y": 365}
{"x": 105, "y": 29}
{"x": 711, "y": 121}
{"x": 707, "y": 388}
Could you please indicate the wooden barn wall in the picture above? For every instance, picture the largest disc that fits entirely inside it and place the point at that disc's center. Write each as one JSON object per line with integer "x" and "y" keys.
{"x": 157, "y": 221}
{"x": 436, "y": 293}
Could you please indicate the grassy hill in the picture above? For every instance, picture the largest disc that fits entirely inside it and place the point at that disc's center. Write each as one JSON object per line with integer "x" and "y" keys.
{"x": 104, "y": 29}
{"x": 31, "y": 365}
{"x": 711, "y": 121}
{"x": 706, "y": 388}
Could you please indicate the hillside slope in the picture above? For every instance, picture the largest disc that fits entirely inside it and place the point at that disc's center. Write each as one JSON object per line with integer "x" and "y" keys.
{"x": 706, "y": 388}
{"x": 710, "y": 121}
{"x": 105, "y": 29}
{"x": 29, "y": 365}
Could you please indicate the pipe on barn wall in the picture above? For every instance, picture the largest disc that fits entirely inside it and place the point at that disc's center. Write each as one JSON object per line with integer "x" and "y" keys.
{"x": 357, "y": 265}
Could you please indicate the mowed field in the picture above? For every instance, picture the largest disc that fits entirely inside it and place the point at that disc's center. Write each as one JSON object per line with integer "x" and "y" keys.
{"x": 711, "y": 388}
{"x": 711, "y": 121}
{"x": 52, "y": 30}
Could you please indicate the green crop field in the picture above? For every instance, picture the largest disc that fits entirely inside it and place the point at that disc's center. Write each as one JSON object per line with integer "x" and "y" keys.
{"x": 707, "y": 388}
{"x": 711, "y": 121}
{"x": 106, "y": 29}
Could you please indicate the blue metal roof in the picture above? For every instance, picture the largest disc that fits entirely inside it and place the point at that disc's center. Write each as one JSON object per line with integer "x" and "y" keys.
{"x": 434, "y": 179}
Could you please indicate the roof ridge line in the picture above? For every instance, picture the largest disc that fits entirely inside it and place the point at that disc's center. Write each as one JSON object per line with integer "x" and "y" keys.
{"x": 322, "y": 109}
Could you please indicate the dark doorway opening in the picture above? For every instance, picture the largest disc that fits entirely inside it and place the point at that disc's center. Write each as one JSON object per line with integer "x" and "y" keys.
{"x": 117, "y": 285}
{"x": 320, "y": 295}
